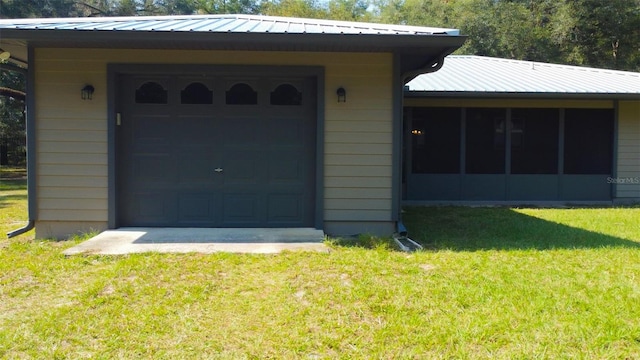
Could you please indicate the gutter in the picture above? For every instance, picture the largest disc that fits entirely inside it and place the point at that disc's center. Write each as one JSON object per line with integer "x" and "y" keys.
{"x": 31, "y": 153}
{"x": 429, "y": 67}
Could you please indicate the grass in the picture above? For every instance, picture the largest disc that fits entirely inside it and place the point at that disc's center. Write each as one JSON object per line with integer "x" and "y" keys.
{"x": 495, "y": 283}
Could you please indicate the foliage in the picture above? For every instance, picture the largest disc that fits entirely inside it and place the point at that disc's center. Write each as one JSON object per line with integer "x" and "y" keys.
{"x": 484, "y": 293}
{"x": 597, "y": 33}
{"x": 12, "y": 120}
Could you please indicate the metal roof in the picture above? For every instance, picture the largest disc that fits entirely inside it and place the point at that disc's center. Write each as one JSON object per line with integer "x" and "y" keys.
{"x": 417, "y": 46}
{"x": 221, "y": 24}
{"x": 465, "y": 75}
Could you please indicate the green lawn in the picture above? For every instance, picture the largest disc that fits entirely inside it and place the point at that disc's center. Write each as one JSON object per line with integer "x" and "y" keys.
{"x": 493, "y": 283}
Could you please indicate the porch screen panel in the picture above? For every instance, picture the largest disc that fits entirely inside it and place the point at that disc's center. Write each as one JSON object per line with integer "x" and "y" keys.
{"x": 588, "y": 141}
{"x": 435, "y": 137}
{"x": 485, "y": 141}
{"x": 534, "y": 141}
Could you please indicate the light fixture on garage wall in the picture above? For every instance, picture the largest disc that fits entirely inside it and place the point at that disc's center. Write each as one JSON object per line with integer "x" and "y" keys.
{"x": 342, "y": 94}
{"x": 87, "y": 92}
{"x": 4, "y": 55}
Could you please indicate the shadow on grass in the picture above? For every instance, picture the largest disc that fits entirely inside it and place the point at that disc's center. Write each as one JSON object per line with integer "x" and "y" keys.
{"x": 12, "y": 185}
{"x": 365, "y": 241}
{"x": 472, "y": 229}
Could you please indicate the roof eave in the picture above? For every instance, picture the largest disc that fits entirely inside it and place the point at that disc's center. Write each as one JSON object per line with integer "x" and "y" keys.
{"x": 239, "y": 41}
{"x": 520, "y": 95}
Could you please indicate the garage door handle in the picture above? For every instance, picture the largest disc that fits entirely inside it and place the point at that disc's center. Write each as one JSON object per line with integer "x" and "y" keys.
{"x": 218, "y": 170}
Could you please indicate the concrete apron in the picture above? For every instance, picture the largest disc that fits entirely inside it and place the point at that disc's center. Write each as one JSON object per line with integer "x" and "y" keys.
{"x": 201, "y": 240}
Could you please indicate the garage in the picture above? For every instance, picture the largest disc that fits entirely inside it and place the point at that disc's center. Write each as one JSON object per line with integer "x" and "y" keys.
{"x": 216, "y": 148}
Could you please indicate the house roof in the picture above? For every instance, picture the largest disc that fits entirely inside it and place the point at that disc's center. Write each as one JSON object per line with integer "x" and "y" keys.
{"x": 222, "y": 24}
{"x": 417, "y": 46}
{"x": 477, "y": 76}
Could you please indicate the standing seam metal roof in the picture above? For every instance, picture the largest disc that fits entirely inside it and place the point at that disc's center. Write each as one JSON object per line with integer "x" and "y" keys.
{"x": 476, "y": 74}
{"x": 221, "y": 24}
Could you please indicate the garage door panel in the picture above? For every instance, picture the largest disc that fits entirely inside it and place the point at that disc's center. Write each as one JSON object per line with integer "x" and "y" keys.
{"x": 152, "y": 208}
{"x": 214, "y": 164}
{"x": 242, "y": 131}
{"x": 286, "y": 168}
{"x": 195, "y": 130}
{"x": 196, "y": 208}
{"x": 155, "y": 130}
{"x": 194, "y": 170}
{"x": 152, "y": 168}
{"x": 285, "y": 208}
{"x": 242, "y": 167}
{"x": 241, "y": 209}
{"x": 286, "y": 132}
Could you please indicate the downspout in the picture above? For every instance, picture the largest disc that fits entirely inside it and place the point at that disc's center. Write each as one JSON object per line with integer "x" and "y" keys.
{"x": 31, "y": 153}
{"x": 430, "y": 67}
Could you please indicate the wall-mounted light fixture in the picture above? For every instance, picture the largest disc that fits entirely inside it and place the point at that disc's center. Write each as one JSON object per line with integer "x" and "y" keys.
{"x": 4, "y": 56}
{"x": 342, "y": 94}
{"x": 87, "y": 92}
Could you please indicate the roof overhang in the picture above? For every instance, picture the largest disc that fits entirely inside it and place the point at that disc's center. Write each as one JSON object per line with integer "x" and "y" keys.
{"x": 416, "y": 49}
{"x": 519, "y": 95}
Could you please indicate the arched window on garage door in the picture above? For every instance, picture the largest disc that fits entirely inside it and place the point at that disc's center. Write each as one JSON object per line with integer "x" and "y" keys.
{"x": 286, "y": 94}
{"x": 196, "y": 93}
{"x": 241, "y": 94}
{"x": 151, "y": 93}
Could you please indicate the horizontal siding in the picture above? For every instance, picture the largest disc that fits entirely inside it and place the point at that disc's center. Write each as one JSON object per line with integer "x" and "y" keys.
{"x": 72, "y": 133}
{"x": 358, "y": 160}
{"x": 357, "y": 215}
{"x": 72, "y": 181}
{"x": 60, "y": 192}
{"x": 74, "y": 170}
{"x": 347, "y": 127}
{"x": 364, "y": 182}
{"x": 72, "y": 215}
{"x": 361, "y": 172}
{"x": 72, "y": 204}
{"x": 628, "y": 149}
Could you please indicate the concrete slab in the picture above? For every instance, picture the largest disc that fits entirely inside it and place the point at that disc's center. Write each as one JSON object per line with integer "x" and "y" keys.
{"x": 201, "y": 240}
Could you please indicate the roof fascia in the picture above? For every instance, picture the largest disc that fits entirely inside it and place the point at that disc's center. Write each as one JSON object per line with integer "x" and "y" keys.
{"x": 186, "y": 40}
{"x": 507, "y": 95}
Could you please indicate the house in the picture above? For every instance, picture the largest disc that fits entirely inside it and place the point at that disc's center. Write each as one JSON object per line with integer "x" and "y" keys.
{"x": 257, "y": 121}
{"x": 217, "y": 120}
{"x": 488, "y": 130}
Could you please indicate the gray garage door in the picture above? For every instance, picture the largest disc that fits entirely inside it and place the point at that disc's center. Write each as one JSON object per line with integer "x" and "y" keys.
{"x": 216, "y": 151}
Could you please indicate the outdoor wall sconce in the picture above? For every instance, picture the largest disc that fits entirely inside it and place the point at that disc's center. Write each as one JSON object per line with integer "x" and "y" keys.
{"x": 4, "y": 55}
{"x": 342, "y": 94}
{"x": 87, "y": 92}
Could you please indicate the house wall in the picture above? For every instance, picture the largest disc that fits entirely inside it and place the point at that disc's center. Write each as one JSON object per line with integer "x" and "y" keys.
{"x": 628, "y": 175}
{"x": 71, "y": 169}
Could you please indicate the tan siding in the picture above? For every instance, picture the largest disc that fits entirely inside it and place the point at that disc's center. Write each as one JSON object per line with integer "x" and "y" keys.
{"x": 72, "y": 151}
{"x": 74, "y": 170}
{"x": 357, "y": 160}
{"x": 628, "y": 149}
{"x": 95, "y": 182}
{"x": 348, "y": 171}
{"x": 71, "y": 215}
{"x": 53, "y": 192}
{"x": 364, "y": 182}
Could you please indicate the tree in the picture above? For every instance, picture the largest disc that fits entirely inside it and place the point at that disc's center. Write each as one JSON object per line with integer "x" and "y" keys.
{"x": 600, "y": 33}
{"x": 12, "y": 118}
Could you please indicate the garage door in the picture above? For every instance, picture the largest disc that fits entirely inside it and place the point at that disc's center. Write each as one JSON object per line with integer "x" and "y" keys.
{"x": 216, "y": 151}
